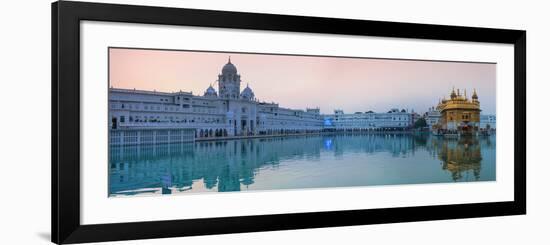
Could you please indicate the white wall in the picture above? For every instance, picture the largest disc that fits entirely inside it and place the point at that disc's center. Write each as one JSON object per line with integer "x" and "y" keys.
{"x": 25, "y": 73}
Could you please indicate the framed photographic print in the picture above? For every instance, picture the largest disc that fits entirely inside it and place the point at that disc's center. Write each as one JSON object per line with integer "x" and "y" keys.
{"x": 176, "y": 122}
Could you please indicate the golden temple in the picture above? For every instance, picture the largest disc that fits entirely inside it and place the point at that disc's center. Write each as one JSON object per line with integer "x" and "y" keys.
{"x": 459, "y": 114}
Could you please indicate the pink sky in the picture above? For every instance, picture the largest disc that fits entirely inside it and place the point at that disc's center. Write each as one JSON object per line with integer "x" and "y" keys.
{"x": 351, "y": 84}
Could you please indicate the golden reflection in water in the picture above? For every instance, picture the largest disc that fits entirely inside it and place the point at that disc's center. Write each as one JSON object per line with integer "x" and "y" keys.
{"x": 460, "y": 156}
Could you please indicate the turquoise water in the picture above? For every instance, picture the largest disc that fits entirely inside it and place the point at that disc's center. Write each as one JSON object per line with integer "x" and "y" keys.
{"x": 299, "y": 162}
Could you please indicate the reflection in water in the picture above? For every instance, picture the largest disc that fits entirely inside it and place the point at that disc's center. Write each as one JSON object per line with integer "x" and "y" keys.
{"x": 461, "y": 155}
{"x": 299, "y": 162}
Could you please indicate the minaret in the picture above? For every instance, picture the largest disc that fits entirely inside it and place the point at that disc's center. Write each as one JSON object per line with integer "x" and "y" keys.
{"x": 453, "y": 94}
{"x": 229, "y": 81}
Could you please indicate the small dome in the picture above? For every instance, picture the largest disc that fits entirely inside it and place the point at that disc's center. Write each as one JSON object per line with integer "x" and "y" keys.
{"x": 247, "y": 93}
{"x": 210, "y": 91}
{"x": 229, "y": 68}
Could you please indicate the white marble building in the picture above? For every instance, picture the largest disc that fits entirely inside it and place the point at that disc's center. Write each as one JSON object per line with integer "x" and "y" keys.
{"x": 432, "y": 117}
{"x": 232, "y": 112}
{"x": 391, "y": 120}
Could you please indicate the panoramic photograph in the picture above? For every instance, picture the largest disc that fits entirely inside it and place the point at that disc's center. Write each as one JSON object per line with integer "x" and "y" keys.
{"x": 183, "y": 121}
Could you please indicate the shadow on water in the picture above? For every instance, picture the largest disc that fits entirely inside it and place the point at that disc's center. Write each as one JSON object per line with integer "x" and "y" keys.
{"x": 229, "y": 165}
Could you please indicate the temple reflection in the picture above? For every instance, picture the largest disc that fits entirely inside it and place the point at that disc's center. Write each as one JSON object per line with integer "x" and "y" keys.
{"x": 234, "y": 164}
{"x": 461, "y": 157}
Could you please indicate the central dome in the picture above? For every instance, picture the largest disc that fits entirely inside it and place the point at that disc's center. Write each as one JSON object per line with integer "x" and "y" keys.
{"x": 229, "y": 68}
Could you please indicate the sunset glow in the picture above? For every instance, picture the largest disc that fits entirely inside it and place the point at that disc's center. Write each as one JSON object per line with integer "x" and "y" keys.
{"x": 351, "y": 84}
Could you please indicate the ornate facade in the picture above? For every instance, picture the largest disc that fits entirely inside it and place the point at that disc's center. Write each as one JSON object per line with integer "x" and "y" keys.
{"x": 394, "y": 119}
{"x": 229, "y": 112}
{"x": 232, "y": 112}
{"x": 459, "y": 113}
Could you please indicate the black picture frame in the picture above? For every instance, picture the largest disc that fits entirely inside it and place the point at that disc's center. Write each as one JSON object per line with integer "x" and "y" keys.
{"x": 65, "y": 168}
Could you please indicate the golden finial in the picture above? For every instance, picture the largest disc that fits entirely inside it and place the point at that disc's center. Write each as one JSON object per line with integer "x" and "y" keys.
{"x": 453, "y": 93}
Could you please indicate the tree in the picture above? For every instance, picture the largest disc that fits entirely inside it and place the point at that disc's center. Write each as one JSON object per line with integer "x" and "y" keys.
{"x": 420, "y": 123}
